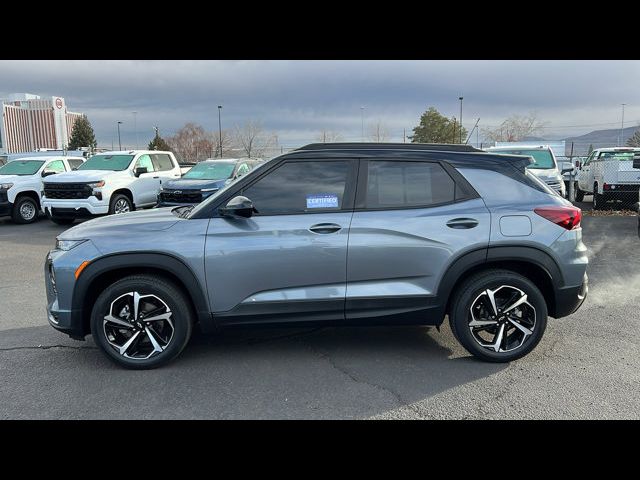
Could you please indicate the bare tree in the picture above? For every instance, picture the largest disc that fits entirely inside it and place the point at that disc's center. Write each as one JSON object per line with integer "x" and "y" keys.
{"x": 515, "y": 128}
{"x": 191, "y": 143}
{"x": 378, "y": 132}
{"x": 227, "y": 143}
{"x": 328, "y": 136}
{"x": 252, "y": 139}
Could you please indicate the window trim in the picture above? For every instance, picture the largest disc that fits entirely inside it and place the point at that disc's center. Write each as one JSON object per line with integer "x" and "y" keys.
{"x": 467, "y": 192}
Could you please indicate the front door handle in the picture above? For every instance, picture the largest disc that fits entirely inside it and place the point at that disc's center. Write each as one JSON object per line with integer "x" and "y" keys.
{"x": 324, "y": 228}
{"x": 155, "y": 178}
{"x": 462, "y": 223}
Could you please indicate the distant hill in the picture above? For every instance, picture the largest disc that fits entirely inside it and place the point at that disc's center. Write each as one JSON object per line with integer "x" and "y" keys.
{"x": 598, "y": 138}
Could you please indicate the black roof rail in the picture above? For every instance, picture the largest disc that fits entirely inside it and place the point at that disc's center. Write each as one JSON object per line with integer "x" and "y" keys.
{"x": 434, "y": 147}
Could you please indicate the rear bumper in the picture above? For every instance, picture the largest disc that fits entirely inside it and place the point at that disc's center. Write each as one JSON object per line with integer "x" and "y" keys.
{"x": 569, "y": 299}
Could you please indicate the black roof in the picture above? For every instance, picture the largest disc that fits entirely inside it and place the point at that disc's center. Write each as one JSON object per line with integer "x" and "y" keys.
{"x": 456, "y": 154}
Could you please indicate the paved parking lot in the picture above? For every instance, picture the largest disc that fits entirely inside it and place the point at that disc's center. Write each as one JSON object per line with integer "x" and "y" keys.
{"x": 587, "y": 365}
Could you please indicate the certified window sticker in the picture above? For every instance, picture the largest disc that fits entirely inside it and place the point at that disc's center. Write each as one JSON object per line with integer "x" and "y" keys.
{"x": 322, "y": 200}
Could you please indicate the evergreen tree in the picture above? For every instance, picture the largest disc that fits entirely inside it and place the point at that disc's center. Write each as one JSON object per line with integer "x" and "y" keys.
{"x": 158, "y": 143}
{"x": 436, "y": 128}
{"x": 634, "y": 141}
{"x": 82, "y": 135}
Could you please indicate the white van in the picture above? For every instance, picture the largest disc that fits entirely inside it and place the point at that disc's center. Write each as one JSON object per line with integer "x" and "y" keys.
{"x": 544, "y": 165}
{"x": 21, "y": 184}
{"x": 608, "y": 174}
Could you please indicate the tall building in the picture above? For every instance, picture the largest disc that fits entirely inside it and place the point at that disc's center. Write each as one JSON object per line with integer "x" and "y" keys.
{"x": 29, "y": 122}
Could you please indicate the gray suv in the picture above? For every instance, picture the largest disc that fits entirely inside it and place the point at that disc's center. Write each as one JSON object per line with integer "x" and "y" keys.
{"x": 331, "y": 234}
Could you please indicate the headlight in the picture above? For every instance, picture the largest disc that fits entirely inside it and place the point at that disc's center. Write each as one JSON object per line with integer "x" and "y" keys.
{"x": 207, "y": 190}
{"x": 96, "y": 184}
{"x": 5, "y": 186}
{"x": 67, "y": 244}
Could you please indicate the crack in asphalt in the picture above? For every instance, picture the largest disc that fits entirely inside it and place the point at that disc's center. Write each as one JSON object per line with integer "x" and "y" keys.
{"x": 46, "y": 347}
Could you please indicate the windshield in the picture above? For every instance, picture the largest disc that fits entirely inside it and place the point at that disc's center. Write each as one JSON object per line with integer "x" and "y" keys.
{"x": 211, "y": 171}
{"x": 542, "y": 158}
{"x": 617, "y": 156}
{"x": 107, "y": 162}
{"x": 21, "y": 167}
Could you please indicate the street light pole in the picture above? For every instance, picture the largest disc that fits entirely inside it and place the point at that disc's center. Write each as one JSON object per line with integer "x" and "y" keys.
{"x": 119, "y": 142}
{"x": 220, "y": 128}
{"x": 622, "y": 127}
{"x": 135, "y": 127}
{"x": 362, "y": 119}
{"x": 460, "y": 98}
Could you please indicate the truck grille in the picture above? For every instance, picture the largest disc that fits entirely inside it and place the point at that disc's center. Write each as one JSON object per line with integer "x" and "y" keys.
{"x": 554, "y": 184}
{"x": 181, "y": 196}
{"x": 67, "y": 191}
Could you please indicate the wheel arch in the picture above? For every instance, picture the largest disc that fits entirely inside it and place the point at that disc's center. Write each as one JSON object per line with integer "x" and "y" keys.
{"x": 106, "y": 270}
{"x": 31, "y": 194}
{"x": 533, "y": 263}
{"x": 124, "y": 191}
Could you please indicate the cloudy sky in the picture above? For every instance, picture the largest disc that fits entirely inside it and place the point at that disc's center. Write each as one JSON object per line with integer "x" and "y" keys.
{"x": 297, "y": 99}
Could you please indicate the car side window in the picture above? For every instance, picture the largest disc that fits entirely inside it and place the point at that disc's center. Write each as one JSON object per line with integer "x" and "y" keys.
{"x": 408, "y": 184}
{"x": 56, "y": 166}
{"x": 162, "y": 162}
{"x": 145, "y": 161}
{"x": 243, "y": 170}
{"x": 300, "y": 187}
{"x": 74, "y": 163}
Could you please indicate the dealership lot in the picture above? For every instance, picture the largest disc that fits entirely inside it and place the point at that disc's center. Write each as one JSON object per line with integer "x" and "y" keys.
{"x": 586, "y": 366}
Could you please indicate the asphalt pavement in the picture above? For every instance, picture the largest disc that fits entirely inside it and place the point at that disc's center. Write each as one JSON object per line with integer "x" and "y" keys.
{"x": 587, "y": 365}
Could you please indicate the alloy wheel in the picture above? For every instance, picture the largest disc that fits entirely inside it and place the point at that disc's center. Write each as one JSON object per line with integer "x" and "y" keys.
{"x": 138, "y": 326}
{"x": 27, "y": 211}
{"x": 121, "y": 206}
{"x": 501, "y": 320}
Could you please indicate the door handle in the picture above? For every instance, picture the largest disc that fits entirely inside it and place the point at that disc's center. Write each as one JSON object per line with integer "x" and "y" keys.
{"x": 462, "y": 223}
{"x": 155, "y": 178}
{"x": 324, "y": 228}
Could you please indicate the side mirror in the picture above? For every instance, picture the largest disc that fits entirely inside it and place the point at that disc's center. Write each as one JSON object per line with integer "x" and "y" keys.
{"x": 46, "y": 173}
{"x": 139, "y": 171}
{"x": 636, "y": 162}
{"x": 238, "y": 207}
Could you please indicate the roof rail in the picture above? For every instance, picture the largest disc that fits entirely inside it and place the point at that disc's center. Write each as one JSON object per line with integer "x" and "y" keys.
{"x": 443, "y": 147}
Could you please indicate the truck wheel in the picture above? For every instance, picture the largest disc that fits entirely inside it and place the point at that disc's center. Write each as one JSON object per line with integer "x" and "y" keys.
{"x": 142, "y": 321}
{"x": 579, "y": 193}
{"x": 25, "y": 210}
{"x": 62, "y": 220}
{"x": 498, "y": 315}
{"x": 598, "y": 199}
{"x": 120, "y": 203}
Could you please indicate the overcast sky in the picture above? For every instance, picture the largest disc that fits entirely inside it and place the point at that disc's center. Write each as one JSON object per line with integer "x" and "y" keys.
{"x": 297, "y": 99}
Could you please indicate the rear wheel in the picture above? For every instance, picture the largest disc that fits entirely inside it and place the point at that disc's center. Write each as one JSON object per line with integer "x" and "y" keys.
{"x": 579, "y": 193}
{"x": 599, "y": 199}
{"x": 142, "y": 321}
{"x": 498, "y": 315}
{"x": 25, "y": 210}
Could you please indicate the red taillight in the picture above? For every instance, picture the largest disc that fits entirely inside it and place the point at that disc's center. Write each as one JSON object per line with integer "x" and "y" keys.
{"x": 566, "y": 217}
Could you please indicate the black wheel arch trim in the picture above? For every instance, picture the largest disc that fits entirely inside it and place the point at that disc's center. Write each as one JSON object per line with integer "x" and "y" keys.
{"x": 156, "y": 260}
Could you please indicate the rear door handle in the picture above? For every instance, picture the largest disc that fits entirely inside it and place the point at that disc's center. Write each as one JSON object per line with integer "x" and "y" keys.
{"x": 325, "y": 228}
{"x": 462, "y": 223}
{"x": 155, "y": 178}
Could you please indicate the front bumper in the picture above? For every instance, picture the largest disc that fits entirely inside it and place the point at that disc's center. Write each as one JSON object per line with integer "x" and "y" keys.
{"x": 569, "y": 299}
{"x": 5, "y": 208}
{"x": 75, "y": 208}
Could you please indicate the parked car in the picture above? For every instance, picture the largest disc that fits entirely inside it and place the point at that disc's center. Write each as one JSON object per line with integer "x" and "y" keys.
{"x": 569, "y": 165}
{"x": 108, "y": 183}
{"x": 21, "y": 184}
{"x": 608, "y": 174}
{"x": 331, "y": 234}
{"x": 204, "y": 179}
{"x": 544, "y": 165}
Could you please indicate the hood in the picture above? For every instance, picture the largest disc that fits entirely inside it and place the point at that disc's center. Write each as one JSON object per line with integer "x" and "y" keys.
{"x": 192, "y": 184}
{"x": 153, "y": 220}
{"x": 80, "y": 176}
{"x": 13, "y": 178}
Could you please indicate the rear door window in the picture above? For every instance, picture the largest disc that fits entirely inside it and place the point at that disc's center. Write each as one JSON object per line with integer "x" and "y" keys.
{"x": 162, "y": 162}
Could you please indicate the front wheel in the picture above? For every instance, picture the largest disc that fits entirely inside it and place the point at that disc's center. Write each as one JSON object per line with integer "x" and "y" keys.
{"x": 25, "y": 210}
{"x": 498, "y": 315}
{"x": 142, "y": 321}
{"x": 120, "y": 204}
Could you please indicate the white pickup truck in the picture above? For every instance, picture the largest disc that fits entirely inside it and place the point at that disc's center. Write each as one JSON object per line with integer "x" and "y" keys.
{"x": 21, "y": 184}
{"x": 608, "y": 174}
{"x": 107, "y": 183}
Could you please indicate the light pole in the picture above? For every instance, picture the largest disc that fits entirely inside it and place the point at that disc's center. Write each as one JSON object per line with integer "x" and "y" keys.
{"x": 119, "y": 142}
{"x": 460, "y": 98}
{"x": 135, "y": 127}
{"x": 622, "y": 127}
{"x": 362, "y": 119}
{"x": 220, "y": 128}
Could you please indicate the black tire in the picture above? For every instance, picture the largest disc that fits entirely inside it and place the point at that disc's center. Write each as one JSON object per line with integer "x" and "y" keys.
{"x": 182, "y": 318}
{"x": 471, "y": 289}
{"x": 25, "y": 210}
{"x": 62, "y": 220}
{"x": 115, "y": 199}
{"x": 579, "y": 193}
{"x": 598, "y": 199}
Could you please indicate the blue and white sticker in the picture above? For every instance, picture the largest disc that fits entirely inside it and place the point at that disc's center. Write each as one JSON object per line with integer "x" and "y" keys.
{"x": 323, "y": 200}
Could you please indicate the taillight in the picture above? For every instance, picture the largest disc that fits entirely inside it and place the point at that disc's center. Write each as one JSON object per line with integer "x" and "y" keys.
{"x": 566, "y": 217}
